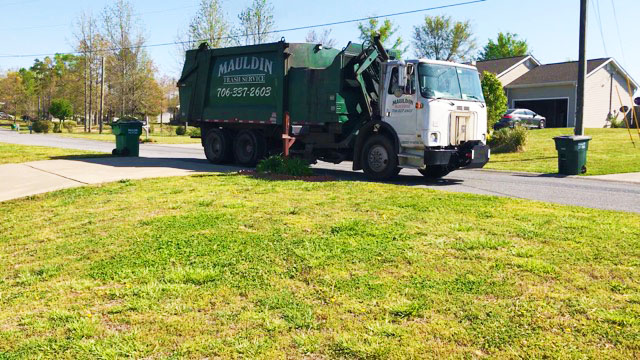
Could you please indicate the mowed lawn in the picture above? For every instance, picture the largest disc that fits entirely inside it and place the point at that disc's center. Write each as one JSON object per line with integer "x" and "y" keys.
{"x": 610, "y": 152}
{"x": 13, "y": 154}
{"x": 108, "y": 136}
{"x": 225, "y": 266}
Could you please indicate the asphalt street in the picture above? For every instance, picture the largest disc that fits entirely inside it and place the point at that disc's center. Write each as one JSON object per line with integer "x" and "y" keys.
{"x": 578, "y": 191}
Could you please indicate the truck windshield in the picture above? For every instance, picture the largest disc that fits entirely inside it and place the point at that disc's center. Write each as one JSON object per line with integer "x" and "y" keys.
{"x": 449, "y": 82}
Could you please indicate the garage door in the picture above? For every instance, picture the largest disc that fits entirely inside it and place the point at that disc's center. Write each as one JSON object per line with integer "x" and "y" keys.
{"x": 555, "y": 110}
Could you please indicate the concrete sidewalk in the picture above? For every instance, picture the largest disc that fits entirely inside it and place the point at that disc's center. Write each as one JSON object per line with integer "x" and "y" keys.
{"x": 633, "y": 178}
{"x": 27, "y": 179}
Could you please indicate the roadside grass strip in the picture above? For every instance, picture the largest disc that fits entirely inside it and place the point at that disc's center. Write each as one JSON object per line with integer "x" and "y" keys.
{"x": 159, "y": 139}
{"x": 610, "y": 152}
{"x": 14, "y": 154}
{"x": 227, "y": 266}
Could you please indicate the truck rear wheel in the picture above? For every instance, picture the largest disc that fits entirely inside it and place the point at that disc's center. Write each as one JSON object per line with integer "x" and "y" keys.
{"x": 217, "y": 146}
{"x": 379, "y": 159}
{"x": 435, "y": 172}
{"x": 249, "y": 147}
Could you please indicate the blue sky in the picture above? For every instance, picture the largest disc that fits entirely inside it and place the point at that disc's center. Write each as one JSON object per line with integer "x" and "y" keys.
{"x": 550, "y": 26}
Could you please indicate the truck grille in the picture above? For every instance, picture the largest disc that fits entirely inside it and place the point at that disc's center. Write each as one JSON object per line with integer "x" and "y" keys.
{"x": 463, "y": 128}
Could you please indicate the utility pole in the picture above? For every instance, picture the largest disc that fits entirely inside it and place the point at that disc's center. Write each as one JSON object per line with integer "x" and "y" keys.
{"x": 101, "y": 94}
{"x": 91, "y": 92}
{"x": 582, "y": 69}
{"x": 86, "y": 66}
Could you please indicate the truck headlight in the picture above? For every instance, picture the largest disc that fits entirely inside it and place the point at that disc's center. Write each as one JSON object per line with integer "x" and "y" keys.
{"x": 434, "y": 137}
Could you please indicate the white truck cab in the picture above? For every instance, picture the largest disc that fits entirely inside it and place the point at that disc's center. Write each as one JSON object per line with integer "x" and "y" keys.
{"x": 439, "y": 114}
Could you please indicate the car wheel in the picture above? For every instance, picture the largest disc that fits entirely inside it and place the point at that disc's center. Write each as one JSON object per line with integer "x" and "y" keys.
{"x": 217, "y": 146}
{"x": 435, "y": 172}
{"x": 249, "y": 147}
{"x": 380, "y": 161}
{"x": 542, "y": 124}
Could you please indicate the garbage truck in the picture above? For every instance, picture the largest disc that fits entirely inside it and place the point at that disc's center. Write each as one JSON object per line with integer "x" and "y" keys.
{"x": 361, "y": 104}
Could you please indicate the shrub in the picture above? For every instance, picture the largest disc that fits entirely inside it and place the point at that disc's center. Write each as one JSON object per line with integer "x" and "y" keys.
{"x": 42, "y": 126}
{"x": 56, "y": 128}
{"x": 509, "y": 140}
{"x": 69, "y": 126}
{"x": 495, "y": 98}
{"x": 181, "y": 130}
{"x": 284, "y": 166}
{"x": 195, "y": 132}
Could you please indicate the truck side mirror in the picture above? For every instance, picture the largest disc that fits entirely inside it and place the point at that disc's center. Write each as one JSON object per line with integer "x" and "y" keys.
{"x": 402, "y": 76}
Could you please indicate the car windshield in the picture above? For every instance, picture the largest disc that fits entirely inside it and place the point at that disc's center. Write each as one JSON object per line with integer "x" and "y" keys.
{"x": 510, "y": 111}
{"x": 449, "y": 82}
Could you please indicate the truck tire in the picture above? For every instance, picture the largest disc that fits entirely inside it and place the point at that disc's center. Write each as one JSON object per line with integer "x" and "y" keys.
{"x": 249, "y": 147}
{"x": 379, "y": 159}
{"x": 217, "y": 146}
{"x": 435, "y": 172}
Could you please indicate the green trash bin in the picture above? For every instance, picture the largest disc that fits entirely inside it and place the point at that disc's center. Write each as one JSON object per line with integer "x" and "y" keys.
{"x": 127, "y": 134}
{"x": 572, "y": 154}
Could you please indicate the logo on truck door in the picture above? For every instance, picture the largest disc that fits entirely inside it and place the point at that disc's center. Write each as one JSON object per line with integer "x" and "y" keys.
{"x": 403, "y": 105}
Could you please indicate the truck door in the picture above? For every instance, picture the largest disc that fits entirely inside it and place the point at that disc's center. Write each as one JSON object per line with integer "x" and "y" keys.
{"x": 400, "y": 105}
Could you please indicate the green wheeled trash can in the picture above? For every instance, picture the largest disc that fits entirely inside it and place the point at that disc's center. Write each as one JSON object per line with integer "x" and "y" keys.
{"x": 127, "y": 134}
{"x": 572, "y": 154}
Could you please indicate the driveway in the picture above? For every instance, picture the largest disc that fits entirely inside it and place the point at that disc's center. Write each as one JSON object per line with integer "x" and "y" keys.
{"x": 177, "y": 160}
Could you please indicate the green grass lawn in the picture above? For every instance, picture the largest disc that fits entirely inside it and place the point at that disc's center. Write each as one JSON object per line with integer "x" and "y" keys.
{"x": 225, "y": 266}
{"x": 610, "y": 152}
{"x": 159, "y": 139}
{"x": 13, "y": 154}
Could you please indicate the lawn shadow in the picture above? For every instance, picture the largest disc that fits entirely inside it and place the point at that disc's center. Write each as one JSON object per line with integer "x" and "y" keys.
{"x": 203, "y": 166}
{"x": 186, "y": 164}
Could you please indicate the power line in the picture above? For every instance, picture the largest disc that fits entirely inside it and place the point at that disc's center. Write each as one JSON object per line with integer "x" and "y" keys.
{"x": 267, "y": 32}
{"x": 64, "y": 25}
{"x": 615, "y": 18}
{"x": 596, "y": 6}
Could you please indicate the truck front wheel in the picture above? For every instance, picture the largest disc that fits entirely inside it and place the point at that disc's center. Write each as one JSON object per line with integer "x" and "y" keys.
{"x": 249, "y": 147}
{"x": 379, "y": 159}
{"x": 217, "y": 146}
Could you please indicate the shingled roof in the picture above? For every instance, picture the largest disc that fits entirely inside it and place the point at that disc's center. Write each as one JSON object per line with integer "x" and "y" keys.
{"x": 498, "y": 66}
{"x": 556, "y": 73}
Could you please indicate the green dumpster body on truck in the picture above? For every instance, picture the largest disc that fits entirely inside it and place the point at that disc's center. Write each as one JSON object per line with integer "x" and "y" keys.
{"x": 127, "y": 137}
{"x": 572, "y": 154}
{"x": 257, "y": 84}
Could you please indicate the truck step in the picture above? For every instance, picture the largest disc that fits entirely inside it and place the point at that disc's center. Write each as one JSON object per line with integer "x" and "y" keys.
{"x": 409, "y": 156}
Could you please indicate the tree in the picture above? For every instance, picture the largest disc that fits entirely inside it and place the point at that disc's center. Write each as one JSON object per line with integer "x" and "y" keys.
{"x": 507, "y": 45}
{"x": 495, "y": 98}
{"x": 91, "y": 43}
{"x": 441, "y": 38}
{"x": 256, "y": 23}
{"x": 61, "y": 109}
{"x": 209, "y": 25}
{"x": 386, "y": 30}
{"x": 128, "y": 59}
{"x": 323, "y": 38}
{"x": 13, "y": 93}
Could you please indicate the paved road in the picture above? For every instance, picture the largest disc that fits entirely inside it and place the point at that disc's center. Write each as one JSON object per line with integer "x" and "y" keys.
{"x": 549, "y": 188}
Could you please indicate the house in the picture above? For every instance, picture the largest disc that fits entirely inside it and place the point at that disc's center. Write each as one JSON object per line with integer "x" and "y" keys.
{"x": 551, "y": 89}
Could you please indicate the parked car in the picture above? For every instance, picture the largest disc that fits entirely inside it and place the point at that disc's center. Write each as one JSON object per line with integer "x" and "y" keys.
{"x": 5, "y": 116}
{"x": 523, "y": 117}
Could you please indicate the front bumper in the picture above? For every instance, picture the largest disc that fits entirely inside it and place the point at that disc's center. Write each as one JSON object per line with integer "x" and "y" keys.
{"x": 480, "y": 156}
{"x": 473, "y": 155}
